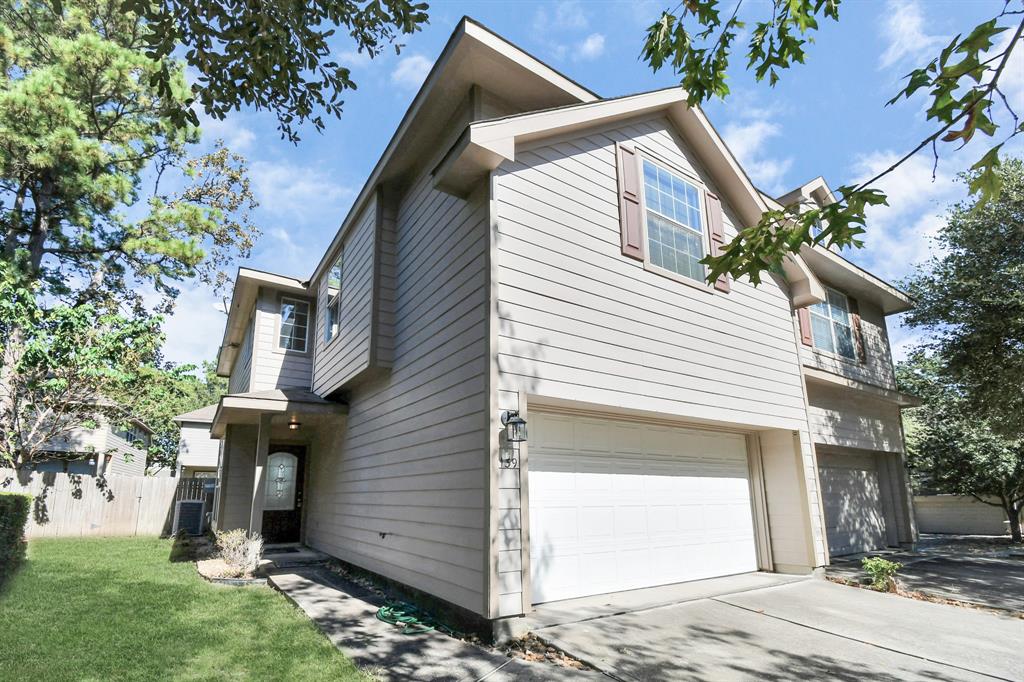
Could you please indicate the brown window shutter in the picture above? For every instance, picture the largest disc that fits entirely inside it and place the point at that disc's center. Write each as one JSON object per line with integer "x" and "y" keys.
{"x": 858, "y": 335}
{"x": 804, "y": 316}
{"x": 716, "y": 231}
{"x": 630, "y": 215}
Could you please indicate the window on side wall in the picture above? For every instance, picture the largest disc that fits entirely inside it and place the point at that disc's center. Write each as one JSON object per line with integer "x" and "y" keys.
{"x": 675, "y": 223}
{"x": 333, "y": 307}
{"x": 294, "y": 325}
{"x": 831, "y": 327}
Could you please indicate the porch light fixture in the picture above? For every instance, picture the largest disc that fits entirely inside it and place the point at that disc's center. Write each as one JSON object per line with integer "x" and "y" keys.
{"x": 294, "y": 424}
{"x": 515, "y": 426}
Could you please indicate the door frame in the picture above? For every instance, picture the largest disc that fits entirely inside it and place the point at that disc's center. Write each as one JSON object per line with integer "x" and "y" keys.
{"x": 300, "y": 450}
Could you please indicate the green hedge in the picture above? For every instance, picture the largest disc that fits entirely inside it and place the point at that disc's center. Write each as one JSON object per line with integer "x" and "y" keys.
{"x": 14, "y": 508}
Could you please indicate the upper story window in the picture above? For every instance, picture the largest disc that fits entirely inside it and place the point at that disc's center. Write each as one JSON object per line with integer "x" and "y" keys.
{"x": 134, "y": 434}
{"x": 831, "y": 327}
{"x": 675, "y": 228}
{"x": 294, "y": 325}
{"x": 333, "y": 307}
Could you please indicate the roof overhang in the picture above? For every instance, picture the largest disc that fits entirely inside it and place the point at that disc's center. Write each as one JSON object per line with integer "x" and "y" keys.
{"x": 473, "y": 55}
{"x": 243, "y": 297}
{"x": 246, "y": 408}
{"x": 484, "y": 145}
{"x": 854, "y": 280}
{"x": 814, "y": 375}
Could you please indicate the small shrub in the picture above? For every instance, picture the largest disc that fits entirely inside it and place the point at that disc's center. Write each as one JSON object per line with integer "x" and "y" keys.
{"x": 14, "y": 510}
{"x": 240, "y": 551}
{"x": 882, "y": 573}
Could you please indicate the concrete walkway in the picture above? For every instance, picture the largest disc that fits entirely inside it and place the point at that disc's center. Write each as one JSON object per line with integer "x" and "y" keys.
{"x": 811, "y": 629}
{"x": 346, "y": 613}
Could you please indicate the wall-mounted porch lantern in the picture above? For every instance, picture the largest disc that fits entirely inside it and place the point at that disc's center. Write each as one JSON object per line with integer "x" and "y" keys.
{"x": 294, "y": 424}
{"x": 515, "y": 426}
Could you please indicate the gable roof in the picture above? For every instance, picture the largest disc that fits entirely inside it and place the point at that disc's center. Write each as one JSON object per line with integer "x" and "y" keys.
{"x": 484, "y": 145}
{"x": 473, "y": 55}
{"x": 247, "y": 285}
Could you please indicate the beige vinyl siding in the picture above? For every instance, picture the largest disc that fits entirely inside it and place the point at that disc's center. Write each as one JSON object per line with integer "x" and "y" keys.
{"x": 125, "y": 460}
{"x": 273, "y": 367}
{"x": 236, "y": 486}
{"x": 412, "y": 463}
{"x": 195, "y": 447}
{"x": 581, "y": 322}
{"x": 844, "y": 417}
{"x": 239, "y": 381}
{"x": 348, "y": 353}
{"x": 877, "y": 369}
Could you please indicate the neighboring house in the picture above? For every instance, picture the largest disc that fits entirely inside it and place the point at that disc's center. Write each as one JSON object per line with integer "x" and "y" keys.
{"x": 99, "y": 451}
{"x": 197, "y": 452}
{"x": 525, "y": 246}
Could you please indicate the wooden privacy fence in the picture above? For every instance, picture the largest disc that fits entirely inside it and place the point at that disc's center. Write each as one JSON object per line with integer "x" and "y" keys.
{"x": 69, "y": 505}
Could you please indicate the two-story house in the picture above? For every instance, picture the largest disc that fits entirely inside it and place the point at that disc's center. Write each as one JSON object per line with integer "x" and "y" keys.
{"x": 197, "y": 453}
{"x": 101, "y": 450}
{"x": 506, "y": 381}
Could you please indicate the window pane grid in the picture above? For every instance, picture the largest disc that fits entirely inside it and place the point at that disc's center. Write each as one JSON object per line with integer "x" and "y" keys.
{"x": 830, "y": 325}
{"x": 333, "y": 308}
{"x": 674, "y": 228}
{"x": 294, "y": 325}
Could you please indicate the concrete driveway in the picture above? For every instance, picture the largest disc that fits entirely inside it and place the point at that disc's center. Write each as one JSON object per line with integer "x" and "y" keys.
{"x": 812, "y": 629}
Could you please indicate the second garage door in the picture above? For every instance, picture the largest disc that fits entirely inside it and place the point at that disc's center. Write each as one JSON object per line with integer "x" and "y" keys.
{"x": 619, "y": 505}
{"x": 854, "y": 519}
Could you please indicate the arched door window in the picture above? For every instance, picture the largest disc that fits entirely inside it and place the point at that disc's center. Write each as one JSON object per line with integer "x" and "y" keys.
{"x": 282, "y": 468}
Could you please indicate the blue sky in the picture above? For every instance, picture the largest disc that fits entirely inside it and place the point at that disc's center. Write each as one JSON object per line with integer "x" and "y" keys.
{"x": 825, "y": 118}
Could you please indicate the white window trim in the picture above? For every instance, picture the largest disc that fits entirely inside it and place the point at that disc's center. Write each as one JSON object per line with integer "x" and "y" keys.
{"x": 327, "y": 298}
{"x": 849, "y": 323}
{"x": 643, "y": 155}
{"x": 277, "y": 326}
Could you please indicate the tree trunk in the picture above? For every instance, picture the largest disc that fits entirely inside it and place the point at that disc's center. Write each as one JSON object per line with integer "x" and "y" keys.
{"x": 1013, "y": 514}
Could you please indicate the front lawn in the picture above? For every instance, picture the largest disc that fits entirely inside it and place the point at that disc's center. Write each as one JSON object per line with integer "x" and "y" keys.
{"x": 117, "y": 608}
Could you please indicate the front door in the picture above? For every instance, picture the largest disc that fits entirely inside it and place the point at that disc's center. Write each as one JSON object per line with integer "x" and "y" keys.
{"x": 282, "y": 504}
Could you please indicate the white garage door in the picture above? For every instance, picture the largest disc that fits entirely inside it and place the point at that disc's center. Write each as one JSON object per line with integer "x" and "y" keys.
{"x": 617, "y": 505}
{"x": 854, "y": 520}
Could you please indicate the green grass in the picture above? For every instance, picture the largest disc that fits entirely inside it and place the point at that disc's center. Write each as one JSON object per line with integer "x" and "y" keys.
{"x": 118, "y": 609}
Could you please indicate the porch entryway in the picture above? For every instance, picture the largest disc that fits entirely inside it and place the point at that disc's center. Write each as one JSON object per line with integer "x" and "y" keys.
{"x": 267, "y": 440}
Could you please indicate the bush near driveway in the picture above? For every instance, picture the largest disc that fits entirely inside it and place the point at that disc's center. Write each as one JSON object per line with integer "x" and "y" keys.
{"x": 119, "y": 609}
{"x": 14, "y": 508}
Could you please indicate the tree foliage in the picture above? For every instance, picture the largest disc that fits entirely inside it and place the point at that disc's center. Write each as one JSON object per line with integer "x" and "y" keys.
{"x": 969, "y": 299}
{"x": 954, "y": 448}
{"x": 167, "y": 390}
{"x": 103, "y": 210}
{"x": 270, "y": 55}
{"x": 961, "y": 83}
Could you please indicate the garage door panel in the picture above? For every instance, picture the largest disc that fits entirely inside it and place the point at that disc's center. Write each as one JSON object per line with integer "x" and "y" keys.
{"x": 850, "y": 493}
{"x": 660, "y": 505}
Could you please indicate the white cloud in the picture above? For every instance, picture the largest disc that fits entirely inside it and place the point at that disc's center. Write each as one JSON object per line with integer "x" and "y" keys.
{"x": 238, "y": 138}
{"x": 353, "y": 58}
{"x": 747, "y": 141}
{"x": 411, "y": 71}
{"x": 590, "y": 47}
{"x": 194, "y": 330}
{"x": 900, "y": 235}
{"x": 903, "y": 30}
{"x": 564, "y": 16}
{"x": 286, "y": 189}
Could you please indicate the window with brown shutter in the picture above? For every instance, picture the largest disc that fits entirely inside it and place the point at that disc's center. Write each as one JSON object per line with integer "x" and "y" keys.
{"x": 858, "y": 335}
{"x": 630, "y": 215}
{"x": 716, "y": 230}
{"x": 804, "y": 316}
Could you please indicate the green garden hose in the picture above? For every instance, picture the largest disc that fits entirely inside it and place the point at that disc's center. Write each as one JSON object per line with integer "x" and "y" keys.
{"x": 412, "y": 619}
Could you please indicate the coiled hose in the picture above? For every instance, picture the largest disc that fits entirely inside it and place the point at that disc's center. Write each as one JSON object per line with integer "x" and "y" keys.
{"x": 412, "y": 619}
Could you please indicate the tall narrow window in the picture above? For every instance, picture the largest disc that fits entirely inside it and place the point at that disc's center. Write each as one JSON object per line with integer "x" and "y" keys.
{"x": 294, "y": 324}
{"x": 675, "y": 229}
{"x": 830, "y": 325}
{"x": 333, "y": 309}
